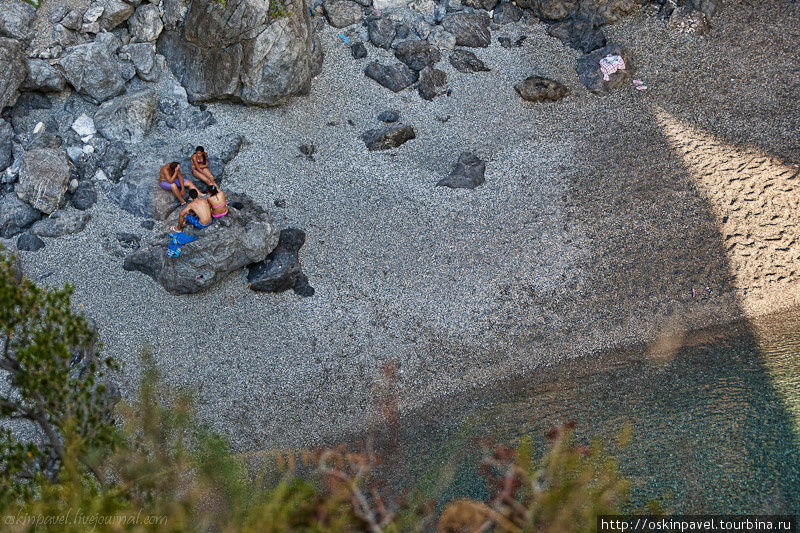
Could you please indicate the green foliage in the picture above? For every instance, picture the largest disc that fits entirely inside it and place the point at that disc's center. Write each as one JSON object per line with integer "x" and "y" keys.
{"x": 49, "y": 354}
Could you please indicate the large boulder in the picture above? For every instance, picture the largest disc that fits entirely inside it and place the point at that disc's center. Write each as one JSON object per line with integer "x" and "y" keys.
{"x": 394, "y": 77}
{"x": 591, "y": 74}
{"x": 93, "y": 71}
{"x": 16, "y": 20}
{"x": 15, "y": 216}
{"x": 468, "y": 173}
{"x": 138, "y": 191}
{"x": 43, "y": 178}
{"x": 470, "y": 29}
{"x": 281, "y": 270}
{"x": 551, "y": 9}
{"x": 42, "y": 76}
{"x": 243, "y": 52}
{"x": 127, "y": 118}
{"x": 14, "y": 67}
{"x": 112, "y": 14}
{"x": 539, "y": 89}
{"x": 145, "y": 25}
{"x": 61, "y": 223}
{"x": 343, "y": 13}
{"x": 246, "y": 235}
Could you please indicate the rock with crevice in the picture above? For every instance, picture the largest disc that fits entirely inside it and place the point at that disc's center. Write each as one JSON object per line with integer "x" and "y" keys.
{"x": 246, "y": 235}
{"x": 281, "y": 270}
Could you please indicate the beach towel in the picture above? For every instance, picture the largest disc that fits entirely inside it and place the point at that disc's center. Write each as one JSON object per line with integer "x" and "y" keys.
{"x": 610, "y": 64}
{"x": 176, "y": 240}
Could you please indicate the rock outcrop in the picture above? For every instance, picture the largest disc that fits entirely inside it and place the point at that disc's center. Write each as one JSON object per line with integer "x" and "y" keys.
{"x": 281, "y": 270}
{"x": 246, "y": 235}
{"x": 243, "y": 51}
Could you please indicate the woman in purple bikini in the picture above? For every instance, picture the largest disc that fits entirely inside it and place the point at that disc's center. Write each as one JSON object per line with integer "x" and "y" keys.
{"x": 216, "y": 198}
{"x": 171, "y": 179}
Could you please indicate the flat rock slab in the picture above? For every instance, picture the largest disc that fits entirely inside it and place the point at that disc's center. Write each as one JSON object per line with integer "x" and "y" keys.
{"x": 246, "y": 235}
{"x": 394, "y": 77}
{"x": 386, "y": 137}
{"x": 468, "y": 173}
{"x": 539, "y": 89}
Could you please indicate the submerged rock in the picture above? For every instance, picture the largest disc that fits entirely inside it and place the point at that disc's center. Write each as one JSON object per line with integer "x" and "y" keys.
{"x": 468, "y": 173}
{"x": 390, "y": 136}
{"x": 281, "y": 270}
{"x": 246, "y": 235}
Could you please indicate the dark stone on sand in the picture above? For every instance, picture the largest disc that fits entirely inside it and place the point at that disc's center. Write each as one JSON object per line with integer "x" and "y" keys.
{"x": 539, "y": 89}
{"x": 389, "y": 136}
{"x": 389, "y": 116}
{"x": 590, "y": 74}
{"x": 417, "y": 54}
{"x": 466, "y": 62}
{"x": 382, "y": 32}
{"x": 281, "y": 270}
{"x": 468, "y": 173}
{"x": 432, "y": 83}
{"x": 470, "y": 29}
{"x": 579, "y": 32}
{"x": 29, "y": 242}
{"x": 394, "y": 77}
{"x": 84, "y": 197}
{"x": 358, "y": 50}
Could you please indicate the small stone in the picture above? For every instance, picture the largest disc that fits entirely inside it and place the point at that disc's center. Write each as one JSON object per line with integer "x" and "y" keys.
{"x": 84, "y": 125}
{"x": 394, "y": 77}
{"x": 389, "y": 116}
{"x": 28, "y": 242}
{"x": 390, "y": 136}
{"x": 466, "y": 62}
{"x": 358, "y": 50}
{"x": 539, "y": 89}
{"x": 468, "y": 173}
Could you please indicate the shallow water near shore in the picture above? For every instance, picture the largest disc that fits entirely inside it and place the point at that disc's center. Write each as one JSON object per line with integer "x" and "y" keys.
{"x": 715, "y": 417}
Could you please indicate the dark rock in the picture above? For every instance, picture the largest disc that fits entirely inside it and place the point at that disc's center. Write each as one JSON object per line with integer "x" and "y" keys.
{"x": 358, "y": 50}
{"x": 470, "y": 29}
{"x": 579, "y": 32}
{"x": 93, "y": 71}
{"x": 394, "y": 77}
{"x": 16, "y": 20}
{"x": 61, "y": 223}
{"x": 15, "y": 216}
{"x": 43, "y": 77}
{"x": 114, "y": 161}
{"x": 588, "y": 68}
{"x": 280, "y": 202}
{"x": 127, "y": 118}
{"x": 246, "y": 235}
{"x": 508, "y": 42}
{"x": 607, "y": 11}
{"x": 488, "y": 5}
{"x": 34, "y": 101}
{"x": 465, "y": 61}
{"x": 14, "y": 67}
{"x": 432, "y": 83}
{"x": 389, "y": 116}
{"x": 538, "y": 89}
{"x": 308, "y": 150}
{"x": 6, "y": 153}
{"x": 390, "y": 136}
{"x": 43, "y": 178}
{"x": 84, "y": 197}
{"x": 382, "y": 32}
{"x": 145, "y": 25}
{"x": 130, "y": 241}
{"x": 417, "y": 54}
{"x": 148, "y": 224}
{"x": 708, "y": 7}
{"x": 506, "y": 13}
{"x": 402, "y": 31}
{"x": 551, "y": 9}
{"x": 174, "y": 13}
{"x": 29, "y": 243}
{"x": 467, "y": 173}
{"x": 281, "y": 270}
{"x": 343, "y": 13}
{"x": 240, "y": 52}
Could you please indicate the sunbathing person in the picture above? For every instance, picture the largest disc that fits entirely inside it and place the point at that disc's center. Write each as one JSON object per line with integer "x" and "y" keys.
{"x": 197, "y": 213}
{"x": 200, "y": 167}
{"x": 219, "y": 206}
{"x": 171, "y": 179}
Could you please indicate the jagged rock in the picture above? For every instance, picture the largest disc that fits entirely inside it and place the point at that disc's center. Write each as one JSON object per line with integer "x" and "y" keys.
{"x": 16, "y": 20}
{"x": 394, "y": 77}
{"x": 389, "y": 136}
{"x": 246, "y": 235}
{"x": 506, "y": 13}
{"x": 550, "y": 9}
{"x": 114, "y": 13}
{"x": 432, "y": 83}
{"x": 417, "y": 54}
{"x": 539, "y": 89}
{"x": 241, "y": 53}
{"x": 84, "y": 197}
{"x": 43, "y": 77}
{"x": 389, "y": 116}
{"x": 579, "y": 32}
{"x": 688, "y": 21}
{"x": 470, "y": 29}
{"x": 43, "y": 178}
{"x": 29, "y": 243}
{"x": 14, "y": 67}
{"x": 93, "y": 71}
{"x": 15, "y": 216}
{"x": 61, "y": 223}
{"x": 281, "y": 270}
{"x": 442, "y": 39}
{"x": 127, "y": 118}
{"x": 343, "y": 13}
{"x": 143, "y": 57}
{"x": 488, "y": 5}
{"x": 145, "y": 25}
{"x": 466, "y": 62}
{"x": 72, "y": 20}
{"x": 468, "y": 173}
{"x": 174, "y": 13}
{"x": 358, "y": 50}
{"x": 382, "y": 32}
{"x": 64, "y": 37}
{"x": 588, "y": 68}
{"x": 84, "y": 126}
{"x": 6, "y": 153}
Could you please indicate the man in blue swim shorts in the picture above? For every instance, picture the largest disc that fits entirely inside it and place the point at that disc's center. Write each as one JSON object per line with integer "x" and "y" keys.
{"x": 197, "y": 213}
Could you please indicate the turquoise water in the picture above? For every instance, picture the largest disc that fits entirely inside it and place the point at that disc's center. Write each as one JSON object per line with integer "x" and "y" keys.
{"x": 715, "y": 417}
